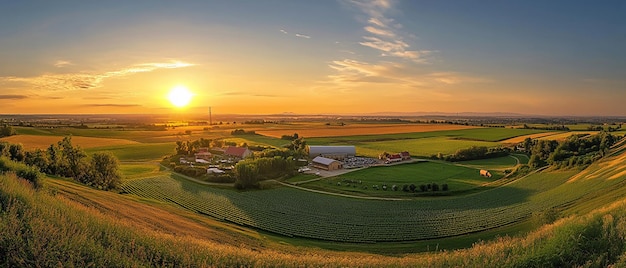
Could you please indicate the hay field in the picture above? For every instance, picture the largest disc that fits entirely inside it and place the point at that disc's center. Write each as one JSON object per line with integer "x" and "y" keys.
{"x": 532, "y": 136}
{"x": 563, "y": 136}
{"x": 359, "y": 129}
{"x": 31, "y": 142}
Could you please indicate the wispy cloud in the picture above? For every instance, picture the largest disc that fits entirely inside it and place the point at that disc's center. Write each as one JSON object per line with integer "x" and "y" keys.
{"x": 303, "y": 36}
{"x": 62, "y": 63}
{"x": 383, "y": 33}
{"x": 84, "y": 80}
{"x": 306, "y": 36}
{"x": 113, "y": 105}
{"x": 13, "y": 97}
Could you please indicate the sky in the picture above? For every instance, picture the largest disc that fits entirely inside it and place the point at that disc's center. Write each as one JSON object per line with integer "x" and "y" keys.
{"x": 314, "y": 57}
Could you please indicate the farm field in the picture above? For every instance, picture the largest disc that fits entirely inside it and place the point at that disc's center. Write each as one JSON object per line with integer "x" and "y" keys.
{"x": 563, "y": 136}
{"x": 361, "y": 182}
{"x": 320, "y": 130}
{"x": 137, "y": 152}
{"x": 478, "y": 134}
{"x": 350, "y": 220}
{"x": 424, "y": 147}
{"x": 500, "y": 163}
{"x": 520, "y": 139}
{"x": 42, "y": 142}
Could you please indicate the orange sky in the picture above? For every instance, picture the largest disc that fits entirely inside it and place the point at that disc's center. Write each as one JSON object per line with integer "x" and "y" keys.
{"x": 363, "y": 57}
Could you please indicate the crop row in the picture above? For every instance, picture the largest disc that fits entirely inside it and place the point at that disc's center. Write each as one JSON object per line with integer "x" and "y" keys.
{"x": 292, "y": 212}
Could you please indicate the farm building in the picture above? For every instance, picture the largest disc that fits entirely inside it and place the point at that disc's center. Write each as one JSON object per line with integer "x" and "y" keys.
{"x": 405, "y": 155}
{"x": 239, "y": 152}
{"x": 326, "y": 163}
{"x": 203, "y": 155}
{"x": 214, "y": 171}
{"x": 485, "y": 173}
{"x": 334, "y": 152}
{"x": 394, "y": 158}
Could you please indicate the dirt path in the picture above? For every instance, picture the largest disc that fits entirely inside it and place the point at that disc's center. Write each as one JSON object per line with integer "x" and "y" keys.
{"x": 338, "y": 194}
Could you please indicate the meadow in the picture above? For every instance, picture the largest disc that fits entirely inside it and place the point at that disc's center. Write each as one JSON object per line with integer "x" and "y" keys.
{"x": 362, "y": 182}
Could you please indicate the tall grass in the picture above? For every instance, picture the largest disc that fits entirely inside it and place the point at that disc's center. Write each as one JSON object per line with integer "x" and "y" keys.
{"x": 41, "y": 229}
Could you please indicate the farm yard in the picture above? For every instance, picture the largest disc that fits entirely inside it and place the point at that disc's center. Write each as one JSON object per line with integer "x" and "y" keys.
{"x": 380, "y": 180}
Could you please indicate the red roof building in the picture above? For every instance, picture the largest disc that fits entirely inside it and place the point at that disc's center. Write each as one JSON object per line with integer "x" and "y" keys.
{"x": 239, "y": 152}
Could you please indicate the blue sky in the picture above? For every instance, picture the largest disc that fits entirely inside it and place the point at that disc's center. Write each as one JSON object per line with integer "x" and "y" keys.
{"x": 530, "y": 57}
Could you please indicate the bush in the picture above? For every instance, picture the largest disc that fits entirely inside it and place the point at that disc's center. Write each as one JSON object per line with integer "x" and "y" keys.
{"x": 444, "y": 187}
{"x": 22, "y": 170}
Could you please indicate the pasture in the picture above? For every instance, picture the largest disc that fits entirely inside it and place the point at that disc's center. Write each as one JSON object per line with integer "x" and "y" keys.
{"x": 500, "y": 163}
{"x": 424, "y": 147}
{"x": 362, "y": 182}
{"x": 138, "y": 152}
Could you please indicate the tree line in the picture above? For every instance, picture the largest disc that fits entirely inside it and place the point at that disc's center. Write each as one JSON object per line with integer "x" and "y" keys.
{"x": 64, "y": 159}
{"x": 577, "y": 150}
{"x": 474, "y": 153}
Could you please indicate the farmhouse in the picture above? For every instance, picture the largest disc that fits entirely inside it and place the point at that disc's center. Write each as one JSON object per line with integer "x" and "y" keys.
{"x": 326, "y": 163}
{"x": 405, "y": 155}
{"x": 238, "y": 152}
{"x": 214, "y": 171}
{"x": 203, "y": 156}
{"x": 394, "y": 158}
{"x": 334, "y": 152}
{"x": 485, "y": 173}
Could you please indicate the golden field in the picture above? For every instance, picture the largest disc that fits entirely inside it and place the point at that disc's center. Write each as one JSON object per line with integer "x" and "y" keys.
{"x": 31, "y": 142}
{"x": 358, "y": 129}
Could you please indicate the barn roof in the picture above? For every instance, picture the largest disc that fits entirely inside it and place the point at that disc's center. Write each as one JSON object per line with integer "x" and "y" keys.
{"x": 318, "y": 149}
{"x": 323, "y": 160}
{"x": 236, "y": 151}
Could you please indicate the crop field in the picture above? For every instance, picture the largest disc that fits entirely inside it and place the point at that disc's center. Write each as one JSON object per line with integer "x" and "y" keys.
{"x": 42, "y": 142}
{"x": 519, "y": 139}
{"x": 312, "y": 131}
{"x": 500, "y": 163}
{"x": 138, "y": 152}
{"x": 419, "y": 147}
{"x": 563, "y": 136}
{"x": 458, "y": 178}
{"x": 293, "y": 212}
{"x": 478, "y": 134}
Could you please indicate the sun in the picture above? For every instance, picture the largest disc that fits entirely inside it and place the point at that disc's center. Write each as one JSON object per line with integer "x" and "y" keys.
{"x": 180, "y": 96}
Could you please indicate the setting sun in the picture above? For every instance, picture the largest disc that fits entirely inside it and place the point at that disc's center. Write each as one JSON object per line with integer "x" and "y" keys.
{"x": 180, "y": 96}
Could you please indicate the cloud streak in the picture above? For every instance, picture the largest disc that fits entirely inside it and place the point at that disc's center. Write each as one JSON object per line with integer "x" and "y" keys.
{"x": 13, "y": 97}
{"x": 113, "y": 105}
{"x": 77, "y": 81}
{"x": 62, "y": 63}
{"x": 383, "y": 33}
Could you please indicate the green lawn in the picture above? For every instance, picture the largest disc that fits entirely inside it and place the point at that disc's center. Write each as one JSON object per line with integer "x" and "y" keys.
{"x": 361, "y": 182}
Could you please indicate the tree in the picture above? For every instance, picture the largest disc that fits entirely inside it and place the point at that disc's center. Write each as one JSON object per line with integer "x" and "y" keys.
{"x": 423, "y": 187}
{"x": 72, "y": 156}
{"x": 444, "y": 187}
{"x": 246, "y": 175}
{"x": 37, "y": 158}
{"x": 104, "y": 171}
{"x": 412, "y": 187}
{"x": 16, "y": 152}
{"x": 6, "y": 131}
{"x": 435, "y": 187}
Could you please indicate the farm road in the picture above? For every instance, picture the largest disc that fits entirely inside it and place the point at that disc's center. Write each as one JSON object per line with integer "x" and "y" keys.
{"x": 337, "y": 194}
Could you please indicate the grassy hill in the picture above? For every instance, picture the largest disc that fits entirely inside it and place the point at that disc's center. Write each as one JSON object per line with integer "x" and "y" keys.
{"x": 65, "y": 223}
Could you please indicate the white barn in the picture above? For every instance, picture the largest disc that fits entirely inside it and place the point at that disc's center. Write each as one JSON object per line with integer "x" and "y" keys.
{"x": 334, "y": 152}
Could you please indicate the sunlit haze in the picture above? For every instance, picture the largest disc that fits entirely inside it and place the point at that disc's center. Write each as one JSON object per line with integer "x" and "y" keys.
{"x": 314, "y": 57}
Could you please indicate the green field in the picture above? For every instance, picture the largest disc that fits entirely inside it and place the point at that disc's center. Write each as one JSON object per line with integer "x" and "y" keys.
{"x": 362, "y": 181}
{"x": 423, "y": 147}
{"x": 333, "y": 218}
{"x": 478, "y": 134}
{"x": 506, "y": 162}
{"x": 138, "y": 152}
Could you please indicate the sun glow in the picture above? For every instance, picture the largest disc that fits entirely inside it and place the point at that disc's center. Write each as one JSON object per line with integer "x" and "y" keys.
{"x": 180, "y": 96}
